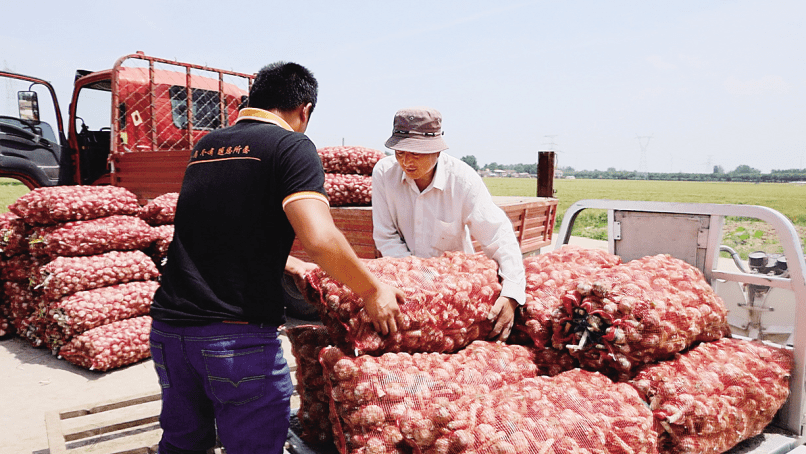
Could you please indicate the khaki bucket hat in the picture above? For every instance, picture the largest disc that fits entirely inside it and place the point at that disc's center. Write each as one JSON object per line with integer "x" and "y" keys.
{"x": 417, "y": 130}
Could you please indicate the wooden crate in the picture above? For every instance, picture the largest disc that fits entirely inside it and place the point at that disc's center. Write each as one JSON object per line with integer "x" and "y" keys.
{"x": 129, "y": 426}
{"x": 356, "y": 225}
{"x": 532, "y": 219}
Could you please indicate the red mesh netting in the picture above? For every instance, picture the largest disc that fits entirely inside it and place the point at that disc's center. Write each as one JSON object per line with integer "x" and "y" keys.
{"x": 575, "y": 412}
{"x": 375, "y": 397}
{"x": 548, "y": 277}
{"x": 19, "y": 268}
{"x": 448, "y": 299}
{"x": 66, "y": 275}
{"x": 6, "y": 328}
{"x": 637, "y": 313}
{"x": 88, "y": 309}
{"x": 92, "y": 237}
{"x": 24, "y": 309}
{"x": 716, "y": 395}
{"x": 109, "y": 346}
{"x": 484, "y": 399}
{"x": 161, "y": 210}
{"x": 163, "y": 235}
{"x": 55, "y": 204}
{"x": 349, "y": 159}
{"x": 314, "y": 411}
{"x": 343, "y": 190}
{"x": 13, "y": 235}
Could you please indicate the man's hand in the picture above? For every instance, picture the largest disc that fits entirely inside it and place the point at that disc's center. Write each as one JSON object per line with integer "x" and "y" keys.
{"x": 383, "y": 308}
{"x": 297, "y": 269}
{"x": 503, "y": 312}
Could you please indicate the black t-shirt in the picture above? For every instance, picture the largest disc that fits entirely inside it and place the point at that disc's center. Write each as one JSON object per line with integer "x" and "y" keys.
{"x": 232, "y": 237}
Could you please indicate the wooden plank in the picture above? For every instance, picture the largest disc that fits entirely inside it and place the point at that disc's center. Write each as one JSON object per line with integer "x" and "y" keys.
{"x": 150, "y": 174}
{"x": 53, "y": 427}
{"x": 109, "y": 405}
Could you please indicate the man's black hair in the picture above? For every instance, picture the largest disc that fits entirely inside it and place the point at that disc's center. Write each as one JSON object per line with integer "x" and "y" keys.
{"x": 283, "y": 86}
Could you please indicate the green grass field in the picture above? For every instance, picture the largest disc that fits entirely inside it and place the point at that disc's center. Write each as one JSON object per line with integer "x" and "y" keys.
{"x": 10, "y": 190}
{"x": 743, "y": 235}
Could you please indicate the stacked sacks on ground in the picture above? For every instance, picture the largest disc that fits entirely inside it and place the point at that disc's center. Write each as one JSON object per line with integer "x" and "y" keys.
{"x": 88, "y": 289}
{"x": 368, "y": 410}
{"x": 348, "y": 174}
{"x": 15, "y": 267}
{"x": 159, "y": 214}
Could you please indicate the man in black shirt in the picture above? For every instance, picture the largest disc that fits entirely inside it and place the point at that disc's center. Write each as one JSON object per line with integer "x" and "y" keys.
{"x": 247, "y": 191}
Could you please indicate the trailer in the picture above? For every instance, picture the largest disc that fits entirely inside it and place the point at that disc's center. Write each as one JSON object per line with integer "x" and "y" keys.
{"x": 763, "y": 295}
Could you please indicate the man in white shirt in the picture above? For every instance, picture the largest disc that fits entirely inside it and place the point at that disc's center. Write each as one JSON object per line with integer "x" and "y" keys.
{"x": 425, "y": 202}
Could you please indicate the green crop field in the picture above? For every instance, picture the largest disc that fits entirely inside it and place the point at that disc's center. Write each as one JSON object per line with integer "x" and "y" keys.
{"x": 742, "y": 234}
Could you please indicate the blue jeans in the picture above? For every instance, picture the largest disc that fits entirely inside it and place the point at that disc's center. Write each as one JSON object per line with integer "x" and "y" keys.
{"x": 228, "y": 379}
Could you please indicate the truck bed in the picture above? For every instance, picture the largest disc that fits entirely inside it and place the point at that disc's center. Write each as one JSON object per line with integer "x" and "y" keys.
{"x": 692, "y": 232}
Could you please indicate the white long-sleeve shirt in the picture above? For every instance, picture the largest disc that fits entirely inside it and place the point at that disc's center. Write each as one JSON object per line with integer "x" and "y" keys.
{"x": 443, "y": 217}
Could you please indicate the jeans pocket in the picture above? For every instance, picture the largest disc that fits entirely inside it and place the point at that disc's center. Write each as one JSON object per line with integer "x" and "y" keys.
{"x": 158, "y": 357}
{"x": 235, "y": 375}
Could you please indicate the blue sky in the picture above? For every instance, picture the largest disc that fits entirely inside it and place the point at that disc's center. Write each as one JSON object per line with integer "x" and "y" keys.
{"x": 694, "y": 83}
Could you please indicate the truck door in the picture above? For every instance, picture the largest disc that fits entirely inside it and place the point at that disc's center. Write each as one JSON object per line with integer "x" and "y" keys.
{"x": 32, "y": 142}
{"x": 90, "y": 128}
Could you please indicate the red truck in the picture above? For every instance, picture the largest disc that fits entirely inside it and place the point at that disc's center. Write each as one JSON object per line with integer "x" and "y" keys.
{"x": 132, "y": 125}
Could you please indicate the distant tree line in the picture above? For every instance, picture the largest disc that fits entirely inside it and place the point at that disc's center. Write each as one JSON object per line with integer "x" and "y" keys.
{"x": 742, "y": 173}
{"x": 520, "y": 168}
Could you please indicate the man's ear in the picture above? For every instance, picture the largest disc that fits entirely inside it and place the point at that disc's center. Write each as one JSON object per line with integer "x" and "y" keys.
{"x": 304, "y": 116}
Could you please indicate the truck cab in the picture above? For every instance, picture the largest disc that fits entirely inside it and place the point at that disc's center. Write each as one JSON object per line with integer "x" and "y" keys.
{"x": 133, "y": 125}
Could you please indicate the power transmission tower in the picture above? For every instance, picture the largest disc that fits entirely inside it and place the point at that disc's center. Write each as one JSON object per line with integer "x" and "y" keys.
{"x": 551, "y": 145}
{"x": 642, "y": 166}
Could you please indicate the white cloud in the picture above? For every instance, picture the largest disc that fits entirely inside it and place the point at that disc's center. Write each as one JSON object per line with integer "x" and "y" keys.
{"x": 766, "y": 85}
